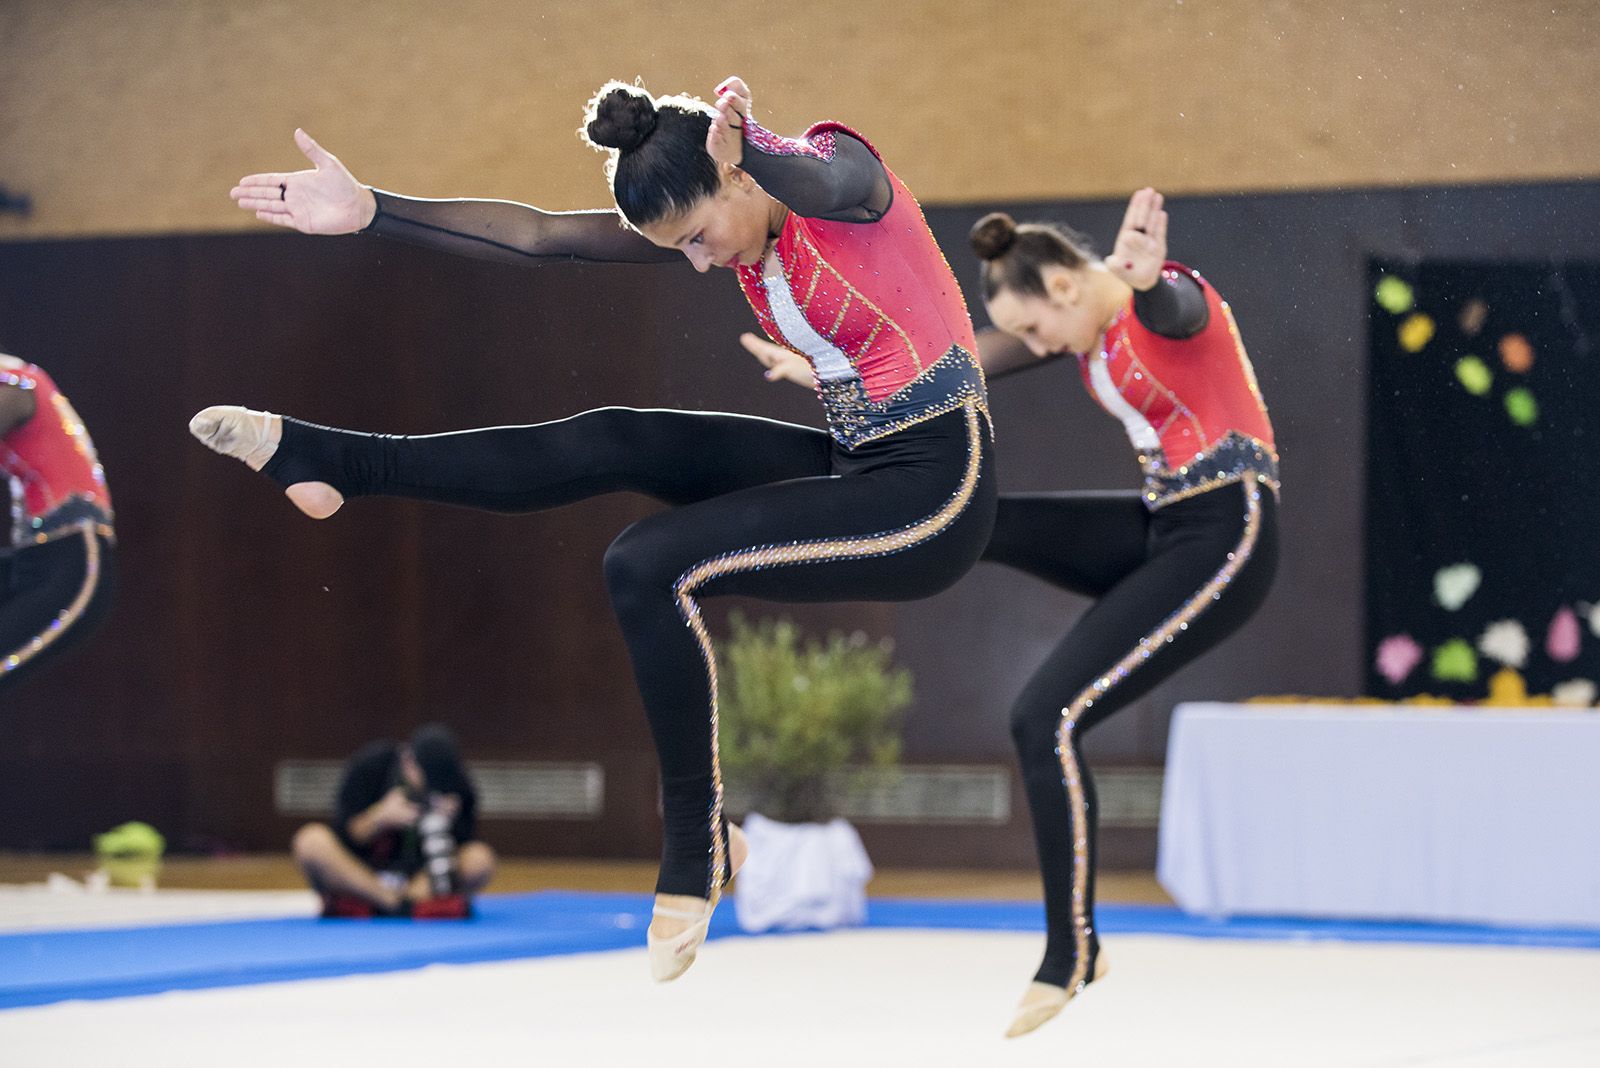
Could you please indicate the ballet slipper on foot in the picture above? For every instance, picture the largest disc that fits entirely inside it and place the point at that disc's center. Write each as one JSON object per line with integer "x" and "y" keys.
{"x": 253, "y": 437}
{"x": 673, "y": 950}
{"x": 1043, "y": 1001}
{"x": 674, "y": 944}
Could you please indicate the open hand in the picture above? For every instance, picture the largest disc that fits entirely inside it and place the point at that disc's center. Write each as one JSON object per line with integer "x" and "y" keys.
{"x": 725, "y": 139}
{"x": 783, "y": 365}
{"x": 323, "y": 200}
{"x": 1141, "y": 248}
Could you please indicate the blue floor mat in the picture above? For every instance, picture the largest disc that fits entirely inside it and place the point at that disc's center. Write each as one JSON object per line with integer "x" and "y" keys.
{"x": 39, "y": 968}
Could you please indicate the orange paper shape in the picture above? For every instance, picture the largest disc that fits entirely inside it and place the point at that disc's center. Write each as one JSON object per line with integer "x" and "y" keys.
{"x": 1516, "y": 353}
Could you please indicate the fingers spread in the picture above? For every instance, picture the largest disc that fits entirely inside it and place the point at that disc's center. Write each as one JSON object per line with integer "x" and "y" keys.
{"x": 313, "y": 151}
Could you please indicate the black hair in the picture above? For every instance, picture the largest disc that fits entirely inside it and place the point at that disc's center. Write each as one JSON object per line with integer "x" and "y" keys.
{"x": 1014, "y": 256}
{"x": 434, "y": 747}
{"x": 659, "y": 166}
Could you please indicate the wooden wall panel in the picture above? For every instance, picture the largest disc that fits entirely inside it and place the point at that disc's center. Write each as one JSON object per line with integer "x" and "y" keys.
{"x": 137, "y": 118}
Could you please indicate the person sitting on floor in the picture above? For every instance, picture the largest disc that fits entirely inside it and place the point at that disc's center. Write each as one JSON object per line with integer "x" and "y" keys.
{"x": 402, "y": 840}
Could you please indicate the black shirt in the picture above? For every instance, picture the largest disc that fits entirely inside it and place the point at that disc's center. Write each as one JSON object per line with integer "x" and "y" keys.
{"x": 370, "y": 774}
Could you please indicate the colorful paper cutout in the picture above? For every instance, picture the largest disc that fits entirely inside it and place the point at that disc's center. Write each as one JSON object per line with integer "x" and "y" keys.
{"x": 1474, "y": 375}
{"x": 1454, "y": 661}
{"x": 1397, "y": 655}
{"x": 1516, "y": 353}
{"x": 1416, "y": 332}
{"x": 1393, "y": 295}
{"x": 1563, "y": 641}
{"x": 1505, "y": 640}
{"x": 1521, "y": 406}
{"x": 1453, "y": 586}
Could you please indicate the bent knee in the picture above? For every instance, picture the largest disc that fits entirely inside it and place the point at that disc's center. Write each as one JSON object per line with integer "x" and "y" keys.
{"x": 1036, "y": 728}
{"x": 636, "y": 568}
{"x": 475, "y": 861}
{"x": 314, "y": 841}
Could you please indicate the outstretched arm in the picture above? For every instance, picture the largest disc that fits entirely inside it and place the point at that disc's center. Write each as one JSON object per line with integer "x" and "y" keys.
{"x": 830, "y": 176}
{"x": 509, "y": 232}
{"x": 327, "y": 199}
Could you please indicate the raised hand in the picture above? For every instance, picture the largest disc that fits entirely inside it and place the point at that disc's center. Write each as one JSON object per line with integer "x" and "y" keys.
{"x": 1141, "y": 247}
{"x": 323, "y": 200}
{"x": 783, "y": 365}
{"x": 725, "y": 139}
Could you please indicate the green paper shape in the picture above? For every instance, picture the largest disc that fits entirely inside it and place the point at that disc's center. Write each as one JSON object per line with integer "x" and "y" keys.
{"x": 1455, "y": 661}
{"x": 1393, "y": 295}
{"x": 1474, "y": 375}
{"x": 1521, "y": 406}
{"x": 132, "y": 839}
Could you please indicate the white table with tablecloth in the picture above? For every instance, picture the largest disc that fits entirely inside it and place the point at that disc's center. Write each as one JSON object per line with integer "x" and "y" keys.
{"x": 1474, "y": 815}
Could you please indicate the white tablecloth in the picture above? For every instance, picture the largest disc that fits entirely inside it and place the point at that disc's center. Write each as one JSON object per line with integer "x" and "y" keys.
{"x": 1468, "y": 815}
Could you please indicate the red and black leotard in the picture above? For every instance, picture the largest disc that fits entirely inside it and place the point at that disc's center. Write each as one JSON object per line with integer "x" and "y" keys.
{"x": 1172, "y": 570}
{"x": 1190, "y": 405}
{"x": 873, "y": 306}
{"x": 54, "y": 472}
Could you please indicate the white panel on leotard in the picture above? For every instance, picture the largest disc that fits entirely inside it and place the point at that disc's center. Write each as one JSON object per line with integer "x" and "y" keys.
{"x": 1140, "y": 432}
{"x": 827, "y": 360}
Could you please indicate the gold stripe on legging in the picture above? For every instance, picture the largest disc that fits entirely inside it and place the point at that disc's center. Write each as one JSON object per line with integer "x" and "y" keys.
{"x": 1072, "y": 776}
{"x": 804, "y": 552}
{"x": 68, "y": 615}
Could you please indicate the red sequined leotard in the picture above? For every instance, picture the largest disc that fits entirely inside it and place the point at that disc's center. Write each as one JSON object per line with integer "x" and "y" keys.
{"x": 1191, "y": 406}
{"x": 54, "y": 473}
{"x": 873, "y": 306}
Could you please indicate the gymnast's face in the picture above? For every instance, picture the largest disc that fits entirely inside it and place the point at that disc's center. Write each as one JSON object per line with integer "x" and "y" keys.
{"x": 1066, "y": 319}
{"x": 728, "y": 229}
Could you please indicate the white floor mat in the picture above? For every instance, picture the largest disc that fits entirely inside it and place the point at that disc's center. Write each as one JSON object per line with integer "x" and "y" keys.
{"x": 918, "y": 998}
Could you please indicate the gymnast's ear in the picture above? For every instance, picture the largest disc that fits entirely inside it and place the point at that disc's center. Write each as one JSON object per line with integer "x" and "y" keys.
{"x": 1061, "y": 284}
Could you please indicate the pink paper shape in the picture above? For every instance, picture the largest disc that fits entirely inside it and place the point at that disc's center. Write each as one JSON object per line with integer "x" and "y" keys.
{"x": 1397, "y": 655}
{"x": 1564, "y": 638}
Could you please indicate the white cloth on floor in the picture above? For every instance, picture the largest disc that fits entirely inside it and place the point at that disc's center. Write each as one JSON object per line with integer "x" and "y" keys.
{"x": 802, "y": 875}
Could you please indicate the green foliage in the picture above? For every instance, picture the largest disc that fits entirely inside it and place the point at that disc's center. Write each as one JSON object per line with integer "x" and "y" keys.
{"x": 800, "y": 717}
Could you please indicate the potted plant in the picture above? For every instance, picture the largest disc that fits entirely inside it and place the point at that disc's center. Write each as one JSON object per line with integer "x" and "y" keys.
{"x": 802, "y": 723}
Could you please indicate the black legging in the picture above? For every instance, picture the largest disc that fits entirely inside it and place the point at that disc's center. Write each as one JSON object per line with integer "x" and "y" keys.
{"x": 52, "y": 595}
{"x": 761, "y": 509}
{"x": 1168, "y": 585}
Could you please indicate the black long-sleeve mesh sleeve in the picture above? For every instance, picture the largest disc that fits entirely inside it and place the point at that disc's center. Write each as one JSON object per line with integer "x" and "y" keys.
{"x": 1174, "y": 307}
{"x": 1000, "y": 354}
{"x": 829, "y": 176}
{"x": 508, "y": 232}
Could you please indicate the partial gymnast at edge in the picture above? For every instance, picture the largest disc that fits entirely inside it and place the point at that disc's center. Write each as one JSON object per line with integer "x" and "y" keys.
{"x": 58, "y": 559}
{"x": 895, "y": 501}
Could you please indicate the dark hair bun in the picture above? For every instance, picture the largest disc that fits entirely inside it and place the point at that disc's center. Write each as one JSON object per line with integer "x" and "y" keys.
{"x": 992, "y": 235}
{"x": 621, "y": 117}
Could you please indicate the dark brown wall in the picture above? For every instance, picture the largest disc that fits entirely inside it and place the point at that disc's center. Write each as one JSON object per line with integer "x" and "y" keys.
{"x": 245, "y": 634}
